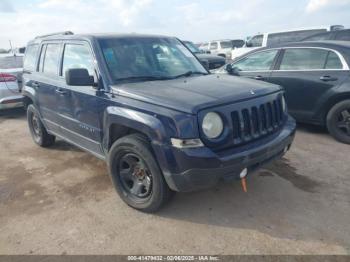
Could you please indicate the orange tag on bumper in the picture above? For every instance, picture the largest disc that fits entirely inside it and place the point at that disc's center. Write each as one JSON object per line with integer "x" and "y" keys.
{"x": 244, "y": 184}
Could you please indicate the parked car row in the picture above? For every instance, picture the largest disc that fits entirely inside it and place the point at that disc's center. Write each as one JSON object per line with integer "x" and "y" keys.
{"x": 222, "y": 47}
{"x": 315, "y": 76}
{"x": 273, "y": 38}
{"x": 212, "y": 61}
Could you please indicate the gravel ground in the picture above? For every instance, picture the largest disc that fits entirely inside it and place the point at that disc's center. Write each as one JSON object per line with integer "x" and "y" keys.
{"x": 61, "y": 201}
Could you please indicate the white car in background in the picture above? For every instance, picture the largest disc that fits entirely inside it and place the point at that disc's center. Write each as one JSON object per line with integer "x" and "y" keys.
{"x": 271, "y": 38}
{"x": 11, "y": 69}
{"x": 222, "y": 47}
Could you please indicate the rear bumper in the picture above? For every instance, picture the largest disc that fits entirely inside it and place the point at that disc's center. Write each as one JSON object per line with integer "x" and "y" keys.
{"x": 11, "y": 102}
{"x": 200, "y": 168}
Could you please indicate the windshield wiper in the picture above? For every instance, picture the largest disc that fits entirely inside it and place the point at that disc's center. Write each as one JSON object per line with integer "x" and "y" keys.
{"x": 189, "y": 73}
{"x": 143, "y": 78}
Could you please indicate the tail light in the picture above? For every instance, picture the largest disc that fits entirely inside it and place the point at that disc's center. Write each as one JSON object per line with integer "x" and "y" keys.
{"x": 7, "y": 77}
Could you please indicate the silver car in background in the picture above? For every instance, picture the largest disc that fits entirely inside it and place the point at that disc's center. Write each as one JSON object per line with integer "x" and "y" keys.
{"x": 11, "y": 69}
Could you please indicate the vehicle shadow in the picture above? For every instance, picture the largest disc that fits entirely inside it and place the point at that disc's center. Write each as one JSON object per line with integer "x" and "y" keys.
{"x": 308, "y": 128}
{"x": 278, "y": 200}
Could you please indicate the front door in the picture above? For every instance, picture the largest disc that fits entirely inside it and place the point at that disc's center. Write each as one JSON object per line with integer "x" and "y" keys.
{"x": 80, "y": 108}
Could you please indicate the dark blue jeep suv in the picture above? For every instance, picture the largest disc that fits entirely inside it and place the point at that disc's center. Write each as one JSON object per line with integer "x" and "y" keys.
{"x": 147, "y": 106}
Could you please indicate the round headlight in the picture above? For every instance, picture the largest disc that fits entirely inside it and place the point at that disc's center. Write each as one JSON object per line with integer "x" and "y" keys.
{"x": 212, "y": 125}
{"x": 284, "y": 105}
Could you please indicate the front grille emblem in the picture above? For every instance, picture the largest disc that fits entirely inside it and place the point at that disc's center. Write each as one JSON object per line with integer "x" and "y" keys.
{"x": 252, "y": 92}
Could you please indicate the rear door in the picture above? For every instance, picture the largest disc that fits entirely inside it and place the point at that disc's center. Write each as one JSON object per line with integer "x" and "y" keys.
{"x": 258, "y": 65}
{"x": 45, "y": 81}
{"x": 307, "y": 74}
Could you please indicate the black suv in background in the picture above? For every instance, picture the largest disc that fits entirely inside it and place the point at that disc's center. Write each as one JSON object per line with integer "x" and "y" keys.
{"x": 147, "y": 106}
{"x": 213, "y": 61}
{"x": 315, "y": 76}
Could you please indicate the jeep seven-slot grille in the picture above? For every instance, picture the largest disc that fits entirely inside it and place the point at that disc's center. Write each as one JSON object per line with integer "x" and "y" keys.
{"x": 257, "y": 121}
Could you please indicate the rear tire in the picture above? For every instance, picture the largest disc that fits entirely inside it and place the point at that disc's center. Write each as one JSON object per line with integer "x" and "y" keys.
{"x": 136, "y": 175}
{"x": 338, "y": 121}
{"x": 39, "y": 133}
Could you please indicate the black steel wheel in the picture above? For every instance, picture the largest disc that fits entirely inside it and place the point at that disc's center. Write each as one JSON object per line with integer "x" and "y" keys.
{"x": 338, "y": 121}
{"x": 136, "y": 175}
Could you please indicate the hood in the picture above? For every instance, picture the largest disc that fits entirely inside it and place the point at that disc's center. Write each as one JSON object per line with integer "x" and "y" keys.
{"x": 210, "y": 58}
{"x": 194, "y": 93}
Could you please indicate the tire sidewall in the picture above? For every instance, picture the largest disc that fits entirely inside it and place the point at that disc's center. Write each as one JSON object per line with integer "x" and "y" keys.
{"x": 138, "y": 147}
{"x": 332, "y": 120}
{"x": 31, "y": 110}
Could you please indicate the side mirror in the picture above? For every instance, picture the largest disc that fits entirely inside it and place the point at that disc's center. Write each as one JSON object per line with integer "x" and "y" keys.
{"x": 248, "y": 44}
{"x": 79, "y": 77}
{"x": 205, "y": 63}
{"x": 232, "y": 70}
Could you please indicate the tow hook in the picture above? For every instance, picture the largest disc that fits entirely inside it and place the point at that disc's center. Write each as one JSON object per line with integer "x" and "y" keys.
{"x": 243, "y": 175}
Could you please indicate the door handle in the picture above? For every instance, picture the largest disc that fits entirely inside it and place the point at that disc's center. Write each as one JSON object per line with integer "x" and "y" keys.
{"x": 328, "y": 78}
{"x": 61, "y": 91}
{"x": 259, "y": 78}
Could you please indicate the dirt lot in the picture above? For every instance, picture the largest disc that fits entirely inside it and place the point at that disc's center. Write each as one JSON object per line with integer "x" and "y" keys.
{"x": 61, "y": 201}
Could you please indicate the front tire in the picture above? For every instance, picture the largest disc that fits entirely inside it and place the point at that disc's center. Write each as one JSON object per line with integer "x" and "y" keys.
{"x": 136, "y": 174}
{"x": 338, "y": 121}
{"x": 39, "y": 133}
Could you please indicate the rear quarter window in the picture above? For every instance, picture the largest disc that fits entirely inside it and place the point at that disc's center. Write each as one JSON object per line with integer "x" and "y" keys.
{"x": 30, "y": 57}
{"x": 333, "y": 61}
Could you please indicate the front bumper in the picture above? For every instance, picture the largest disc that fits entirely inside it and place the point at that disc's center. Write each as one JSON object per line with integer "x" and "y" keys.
{"x": 11, "y": 102}
{"x": 199, "y": 168}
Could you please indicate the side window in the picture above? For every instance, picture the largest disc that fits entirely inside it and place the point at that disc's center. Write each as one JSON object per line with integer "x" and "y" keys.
{"x": 50, "y": 60}
{"x": 319, "y": 37}
{"x": 77, "y": 56}
{"x": 344, "y": 35}
{"x": 213, "y": 45}
{"x": 291, "y": 36}
{"x": 258, "y": 61}
{"x": 333, "y": 61}
{"x": 303, "y": 59}
{"x": 30, "y": 57}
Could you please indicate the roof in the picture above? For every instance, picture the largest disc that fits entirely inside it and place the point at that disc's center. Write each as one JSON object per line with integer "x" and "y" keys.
{"x": 94, "y": 36}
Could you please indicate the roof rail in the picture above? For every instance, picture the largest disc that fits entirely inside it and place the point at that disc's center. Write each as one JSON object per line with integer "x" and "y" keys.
{"x": 58, "y": 33}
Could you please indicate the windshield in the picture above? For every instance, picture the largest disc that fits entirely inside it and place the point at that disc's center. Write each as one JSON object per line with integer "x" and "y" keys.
{"x": 9, "y": 62}
{"x": 148, "y": 58}
{"x": 192, "y": 47}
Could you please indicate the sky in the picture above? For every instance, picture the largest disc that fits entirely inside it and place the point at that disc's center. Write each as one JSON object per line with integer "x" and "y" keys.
{"x": 201, "y": 20}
